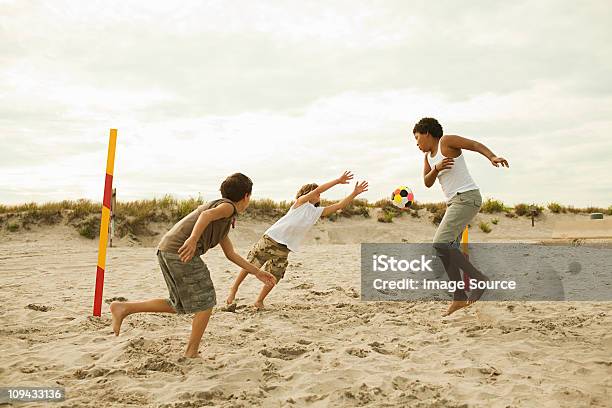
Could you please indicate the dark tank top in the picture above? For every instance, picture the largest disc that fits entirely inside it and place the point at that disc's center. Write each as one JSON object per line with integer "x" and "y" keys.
{"x": 212, "y": 235}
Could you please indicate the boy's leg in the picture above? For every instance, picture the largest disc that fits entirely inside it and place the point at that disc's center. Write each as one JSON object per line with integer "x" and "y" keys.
{"x": 191, "y": 291}
{"x": 461, "y": 262}
{"x": 460, "y": 299}
{"x": 232, "y": 295}
{"x": 256, "y": 256}
{"x": 276, "y": 265}
{"x": 460, "y": 212}
{"x": 265, "y": 290}
{"x": 445, "y": 254}
{"x": 120, "y": 310}
{"x": 197, "y": 295}
{"x": 198, "y": 325}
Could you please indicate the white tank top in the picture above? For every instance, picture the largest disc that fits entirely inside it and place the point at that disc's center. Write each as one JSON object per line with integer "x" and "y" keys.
{"x": 455, "y": 180}
{"x": 291, "y": 229}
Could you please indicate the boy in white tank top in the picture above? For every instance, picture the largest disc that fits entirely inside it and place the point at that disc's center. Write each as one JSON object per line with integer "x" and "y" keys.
{"x": 444, "y": 161}
{"x": 271, "y": 252}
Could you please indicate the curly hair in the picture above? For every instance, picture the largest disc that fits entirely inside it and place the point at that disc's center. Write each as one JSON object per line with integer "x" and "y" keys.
{"x": 305, "y": 189}
{"x": 428, "y": 125}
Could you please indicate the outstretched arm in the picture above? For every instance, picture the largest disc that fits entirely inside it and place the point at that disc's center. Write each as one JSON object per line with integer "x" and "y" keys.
{"x": 232, "y": 256}
{"x": 458, "y": 142}
{"x": 359, "y": 188}
{"x": 343, "y": 179}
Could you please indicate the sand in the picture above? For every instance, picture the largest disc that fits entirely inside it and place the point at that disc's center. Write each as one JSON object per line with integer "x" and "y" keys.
{"x": 315, "y": 345}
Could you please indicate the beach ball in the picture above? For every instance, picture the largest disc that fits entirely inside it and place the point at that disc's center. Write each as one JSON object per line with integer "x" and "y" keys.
{"x": 402, "y": 197}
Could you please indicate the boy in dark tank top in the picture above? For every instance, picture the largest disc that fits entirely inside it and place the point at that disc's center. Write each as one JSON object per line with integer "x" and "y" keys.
{"x": 187, "y": 277}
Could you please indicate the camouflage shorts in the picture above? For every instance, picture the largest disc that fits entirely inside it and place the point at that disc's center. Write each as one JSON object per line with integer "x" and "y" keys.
{"x": 269, "y": 256}
{"x": 189, "y": 285}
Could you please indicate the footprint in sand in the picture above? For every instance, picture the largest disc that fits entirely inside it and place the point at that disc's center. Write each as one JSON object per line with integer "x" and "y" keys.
{"x": 417, "y": 390}
{"x": 357, "y": 352}
{"x": 304, "y": 286}
{"x": 363, "y": 395}
{"x": 92, "y": 372}
{"x": 487, "y": 373}
{"x": 284, "y": 353}
{"x": 161, "y": 365}
{"x": 248, "y": 330}
{"x": 379, "y": 348}
{"x": 115, "y": 299}
{"x": 38, "y": 308}
{"x": 352, "y": 292}
{"x": 321, "y": 292}
{"x": 197, "y": 399}
{"x": 270, "y": 371}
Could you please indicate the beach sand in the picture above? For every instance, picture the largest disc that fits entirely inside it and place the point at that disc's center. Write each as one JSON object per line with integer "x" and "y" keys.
{"x": 316, "y": 344}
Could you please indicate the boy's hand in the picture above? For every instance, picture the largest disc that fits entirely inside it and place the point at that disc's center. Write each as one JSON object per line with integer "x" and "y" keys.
{"x": 266, "y": 277}
{"x": 446, "y": 163}
{"x": 187, "y": 251}
{"x": 345, "y": 177}
{"x": 360, "y": 188}
{"x": 496, "y": 161}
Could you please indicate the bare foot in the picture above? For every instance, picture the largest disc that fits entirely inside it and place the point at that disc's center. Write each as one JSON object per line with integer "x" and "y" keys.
{"x": 118, "y": 312}
{"x": 454, "y": 306}
{"x": 192, "y": 353}
{"x": 475, "y": 295}
{"x": 230, "y": 298}
{"x": 258, "y": 305}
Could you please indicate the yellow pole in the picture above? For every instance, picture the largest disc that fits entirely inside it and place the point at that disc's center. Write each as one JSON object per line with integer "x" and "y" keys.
{"x": 464, "y": 241}
{"x": 465, "y": 250}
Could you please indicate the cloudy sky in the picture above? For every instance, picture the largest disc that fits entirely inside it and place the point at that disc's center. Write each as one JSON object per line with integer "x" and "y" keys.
{"x": 290, "y": 92}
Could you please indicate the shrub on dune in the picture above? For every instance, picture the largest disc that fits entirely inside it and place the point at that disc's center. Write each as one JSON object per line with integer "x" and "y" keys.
{"x": 556, "y": 208}
{"x": 491, "y": 206}
{"x": 484, "y": 227}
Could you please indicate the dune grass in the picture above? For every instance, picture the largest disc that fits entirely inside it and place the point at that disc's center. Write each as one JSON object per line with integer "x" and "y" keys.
{"x": 388, "y": 211}
{"x": 523, "y": 209}
{"x": 437, "y": 211}
{"x": 267, "y": 208}
{"x": 491, "y": 206}
{"x": 557, "y": 208}
{"x": 134, "y": 216}
{"x": 484, "y": 227}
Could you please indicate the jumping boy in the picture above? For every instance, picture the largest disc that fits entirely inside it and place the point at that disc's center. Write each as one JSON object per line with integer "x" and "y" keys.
{"x": 286, "y": 235}
{"x": 444, "y": 160}
{"x": 187, "y": 276}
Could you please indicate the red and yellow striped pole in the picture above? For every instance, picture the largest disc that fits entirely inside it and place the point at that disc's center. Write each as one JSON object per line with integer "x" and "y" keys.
{"x": 104, "y": 222}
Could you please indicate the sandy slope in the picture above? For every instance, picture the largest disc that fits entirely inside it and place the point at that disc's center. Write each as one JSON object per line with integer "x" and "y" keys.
{"x": 316, "y": 345}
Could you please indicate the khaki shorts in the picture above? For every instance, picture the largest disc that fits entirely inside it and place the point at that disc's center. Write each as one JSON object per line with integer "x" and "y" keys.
{"x": 269, "y": 256}
{"x": 461, "y": 209}
{"x": 189, "y": 285}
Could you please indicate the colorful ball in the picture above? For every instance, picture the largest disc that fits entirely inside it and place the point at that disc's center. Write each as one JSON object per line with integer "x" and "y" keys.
{"x": 402, "y": 197}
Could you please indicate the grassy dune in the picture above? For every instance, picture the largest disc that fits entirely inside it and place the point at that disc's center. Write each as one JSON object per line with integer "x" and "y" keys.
{"x": 133, "y": 217}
